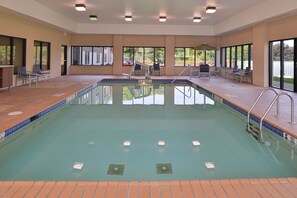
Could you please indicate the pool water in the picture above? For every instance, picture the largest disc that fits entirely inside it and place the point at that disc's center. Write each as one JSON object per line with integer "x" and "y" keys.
{"x": 93, "y": 128}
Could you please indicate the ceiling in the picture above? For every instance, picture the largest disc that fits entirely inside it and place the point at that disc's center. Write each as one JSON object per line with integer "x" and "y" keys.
{"x": 231, "y": 15}
{"x": 178, "y": 12}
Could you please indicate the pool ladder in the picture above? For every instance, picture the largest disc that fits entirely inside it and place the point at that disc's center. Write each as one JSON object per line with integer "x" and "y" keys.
{"x": 255, "y": 131}
{"x": 189, "y": 67}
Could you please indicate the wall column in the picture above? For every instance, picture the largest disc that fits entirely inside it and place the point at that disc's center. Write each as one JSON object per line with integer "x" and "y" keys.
{"x": 169, "y": 45}
{"x": 117, "y": 54}
{"x": 260, "y": 55}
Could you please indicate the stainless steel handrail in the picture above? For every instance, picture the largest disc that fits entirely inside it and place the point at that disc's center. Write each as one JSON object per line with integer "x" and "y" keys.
{"x": 256, "y": 101}
{"x": 276, "y": 98}
{"x": 188, "y": 67}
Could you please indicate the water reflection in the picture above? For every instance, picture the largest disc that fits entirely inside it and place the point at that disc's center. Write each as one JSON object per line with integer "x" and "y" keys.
{"x": 187, "y": 95}
{"x": 143, "y": 95}
{"x": 98, "y": 95}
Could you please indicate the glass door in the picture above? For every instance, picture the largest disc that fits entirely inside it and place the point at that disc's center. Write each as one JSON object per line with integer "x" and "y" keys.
{"x": 282, "y": 64}
{"x": 63, "y": 60}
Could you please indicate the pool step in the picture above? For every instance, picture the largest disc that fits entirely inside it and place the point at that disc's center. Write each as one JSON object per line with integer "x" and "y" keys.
{"x": 254, "y": 131}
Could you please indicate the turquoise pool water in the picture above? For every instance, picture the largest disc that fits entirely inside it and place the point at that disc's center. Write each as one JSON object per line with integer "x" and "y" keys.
{"x": 93, "y": 128}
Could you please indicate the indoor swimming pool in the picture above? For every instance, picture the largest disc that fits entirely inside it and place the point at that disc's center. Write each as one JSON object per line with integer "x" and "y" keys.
{"x": 136, "y": 131}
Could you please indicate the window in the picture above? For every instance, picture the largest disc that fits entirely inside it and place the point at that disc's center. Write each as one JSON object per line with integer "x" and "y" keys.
{"x": 12, "y": 52}
{"x": 282, "y": 55}
{"x": 146, "y": 55}
{"x": 288, "y": 64}
{"x": 210, "y": 57}
{"x": 76, "y": 52}
{"x": 128, "y": 56}
{"x": 5, "y": 48}
{"x": 179, "y": 57}
{"x": 228, "y": 57}
{"x": 42, "y": 55}
{"x": 139, "y": 54}
{"x": 87, "y": 55}
{"x": 240, "y": 55}
{"x": 108, "y": 55}
{"x": 200, "y": 57}
{"x": 233, "y": 56}
{"x": 185, "y": 56}
{"x": 97, "y": 55}
{"x": 160, "y": 56}
{"x": 245, "y": 56}
{"x": 149, "y": 56}
{"x": 189, "y": 56}
{"x": 92, "y": 55}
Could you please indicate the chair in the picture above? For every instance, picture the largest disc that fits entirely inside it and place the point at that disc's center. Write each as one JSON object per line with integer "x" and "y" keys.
{"x": 246, "y": 74}
{"x": 204, "y": 70}
{"x": 234, "y": 70}
{"x": 137, "y": 69}
{"x": 26, "y": 76}
{"x": 215, "y": 71}
{"x": 40, "y": 73}
{"x": 156, "y": 69}
{"x": 193, "y": 69}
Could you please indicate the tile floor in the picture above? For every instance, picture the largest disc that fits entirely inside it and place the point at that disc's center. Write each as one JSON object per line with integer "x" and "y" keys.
{"x": 30, "y": 100}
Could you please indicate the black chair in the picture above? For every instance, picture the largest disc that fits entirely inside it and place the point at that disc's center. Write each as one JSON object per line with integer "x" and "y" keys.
{"x": 137, "y": 69}
{"x": 156, "y": 69}
{"x": 204, "y": 70}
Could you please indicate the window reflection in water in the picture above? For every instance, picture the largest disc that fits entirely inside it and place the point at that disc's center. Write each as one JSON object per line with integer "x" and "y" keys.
{"x": 98, "y": 95}
{"x": 143, "y": 95}
{"x": 187, "y": 95}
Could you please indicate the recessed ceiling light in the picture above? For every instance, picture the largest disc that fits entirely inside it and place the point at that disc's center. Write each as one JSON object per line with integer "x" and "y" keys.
{"x": 93, "y": 17}
{"x": 128, "y": 18}
{"x": 162, "y": 18}
{"x": 197, "y": 19}
{"x": 80, "y": 7}
{"x": 210, "y": 9}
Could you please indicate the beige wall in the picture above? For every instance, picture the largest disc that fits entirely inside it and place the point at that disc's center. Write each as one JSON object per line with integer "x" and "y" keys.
{"x": 236, "y": 38}
{"x": 31, "y": 31}
{"x": 119, "y": 41}
{"x": 259, "y": 35}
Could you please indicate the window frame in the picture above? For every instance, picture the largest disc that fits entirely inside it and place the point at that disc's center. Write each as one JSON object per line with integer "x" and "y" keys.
{"x": 12, "y": 57}
{"x": 92, "y": 59}
{"x": 282, "y": 59}
{"x": 144, "y": 54}
{"x": 48, "y": 67}
{"x": 224, "y": 61}
{"x": 195, "y": 56}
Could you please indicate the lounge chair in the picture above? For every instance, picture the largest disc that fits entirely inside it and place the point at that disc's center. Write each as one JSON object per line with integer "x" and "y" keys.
{"x": 42, "y": 74}
{"x": 193, "y": 69}
{"x": 234, "y": 71}
{"x": 137, "y": 69}
{"x": 204, "y": 70}
{"x": 156, "y": 69}
{"x": 246, "y": 74}
{"x": 26, "y": 76}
